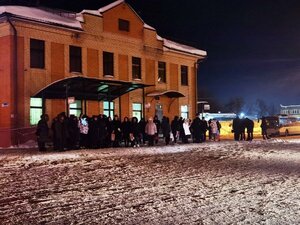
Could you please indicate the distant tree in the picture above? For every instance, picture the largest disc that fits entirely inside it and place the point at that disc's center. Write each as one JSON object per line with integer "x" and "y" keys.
{"x": 235, "y": 105}
{"x": 262, "y": 108}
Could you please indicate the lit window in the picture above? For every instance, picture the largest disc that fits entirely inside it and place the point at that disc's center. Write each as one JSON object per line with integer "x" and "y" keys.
{"x": 136, "y": 68}
{"x": 75, "y": 108}
{"x": 124, "y": 25}
{"x": 108, "y": 109}
{"x": 75, "y": 59}
{"x": 108, "y": 63}
{"x": 184, "y": 76}
{"x": 36, "y": 110}
{"x": 137, "y": 110}
{"x": 37, "y": 53}
{"x": 162, "y": 72}
{"x": 185, "y": 111}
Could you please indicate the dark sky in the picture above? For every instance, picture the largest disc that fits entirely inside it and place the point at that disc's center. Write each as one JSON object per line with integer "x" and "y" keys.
{"x": 253, "y": 45}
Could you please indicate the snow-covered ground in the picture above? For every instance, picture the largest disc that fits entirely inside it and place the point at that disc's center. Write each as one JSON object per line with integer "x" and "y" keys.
{"x": 223, "y": 182}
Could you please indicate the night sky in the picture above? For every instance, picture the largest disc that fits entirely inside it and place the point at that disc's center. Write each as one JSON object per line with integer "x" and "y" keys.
{"x": 253, "y": 46}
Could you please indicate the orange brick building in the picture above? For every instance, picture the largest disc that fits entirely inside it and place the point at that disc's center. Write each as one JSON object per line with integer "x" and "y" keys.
{"x": 41, "y": 49}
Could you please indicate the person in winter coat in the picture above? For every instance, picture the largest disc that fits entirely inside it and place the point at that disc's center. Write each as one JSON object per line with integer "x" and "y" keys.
{"x": 42, "y": 132}
{"x": 61, "y": 132}
{"x": 215, "y": 130}
{"x": 142, "y": 125}
{"x": 94, "y": 131}
{"x": 74, "y": 132}
{"x": 249, "y": 125}
{"x": 187, "y": 132}
{"x": 102, "y": 131}
{"x": 204, "y": 128}
{"x": 236, "y": 128}
{"x": 175, "y": 127}
{"x": 135, "y": 133}
{"x": 116, "y": 131}
{"x": 264, "y": 128}
{"x": 150, "y": 130}
{"x": 166, "y": 129}
{"x": 158, "y": 124}
{"x": 196, "y": 129}
{"x": 126, "y": 127}
{"x": 83, "y": 126}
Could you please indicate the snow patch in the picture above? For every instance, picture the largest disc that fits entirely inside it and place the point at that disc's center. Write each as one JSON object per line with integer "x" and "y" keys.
{"x": 184, "y": 48}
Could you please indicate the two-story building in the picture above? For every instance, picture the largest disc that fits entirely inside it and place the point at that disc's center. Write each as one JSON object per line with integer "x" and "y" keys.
{"x": 105, "y": 61}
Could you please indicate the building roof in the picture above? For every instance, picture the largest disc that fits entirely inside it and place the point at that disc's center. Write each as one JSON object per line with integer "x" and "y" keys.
{"x": 42, "y": 16}
{"x": 73, "y": 21}
{"x": 289, "y": 106}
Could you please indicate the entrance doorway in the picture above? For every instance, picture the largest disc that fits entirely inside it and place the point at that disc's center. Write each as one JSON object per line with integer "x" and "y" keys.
{"x": 159, "y": 111}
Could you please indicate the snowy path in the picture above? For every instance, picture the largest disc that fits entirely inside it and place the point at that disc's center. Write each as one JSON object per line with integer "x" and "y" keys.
{"x": 211, "y": 183}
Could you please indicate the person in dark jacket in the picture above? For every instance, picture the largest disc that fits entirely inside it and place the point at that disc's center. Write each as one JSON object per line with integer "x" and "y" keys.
{"x": 61, "y": 132}
{"x": 196, "y": 129}
{"x": 116, "y": 131}
{"x": 102, "y": 130}
{"x": 42, "y": 132}
{"x": 135, "y": 133}
{"x": 94, "y": 132}
{"x": 125, "y": 127}
{"x": 204, "y": 128}
{"x": 249, "y": 125}
{"x": 264, "y": 128}
{"x": 166, "y": 129}
{"x": 142, "y": 125}
{"x": 236, "y": 128}
{"x": 74, "y": 133}
{"x": 158, "y": 126}
{"x": 175, "y": 127}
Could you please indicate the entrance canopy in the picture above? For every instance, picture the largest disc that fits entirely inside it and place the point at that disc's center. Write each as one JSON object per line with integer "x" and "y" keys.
{"x": 86, "y": 88}
{"x": 169, "y": 94}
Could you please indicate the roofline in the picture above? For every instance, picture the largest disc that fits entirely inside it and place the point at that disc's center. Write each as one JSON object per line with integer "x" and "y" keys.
{"x": 186, "y": 52}
{"x": 52, "y": 24}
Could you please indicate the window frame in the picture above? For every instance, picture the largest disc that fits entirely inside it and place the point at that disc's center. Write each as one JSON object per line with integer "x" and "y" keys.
{"x": 75, "y": 59}
{"x": 139, "y": 111}
{"x": 136, "y": 67}
{"x": 182, "y": 112}
{"x": 75, "y": 108}
{"x": 108, "y": 63}
{"x": 123, "y": 25}
{"x": 37, "y": 53}
{"x": 162, "y": 72}
{"x": 184, "y": 72}
{"x": 109, "y": 111}
{"x": 33, "y": 108}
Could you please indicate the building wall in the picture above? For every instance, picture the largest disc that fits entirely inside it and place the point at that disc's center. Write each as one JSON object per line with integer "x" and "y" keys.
{"x": 100, "y": 34}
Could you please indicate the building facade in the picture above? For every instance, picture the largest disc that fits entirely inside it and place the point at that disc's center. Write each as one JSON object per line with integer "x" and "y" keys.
{"x": 290, "y": 110}
{"x": 42, "y": 47}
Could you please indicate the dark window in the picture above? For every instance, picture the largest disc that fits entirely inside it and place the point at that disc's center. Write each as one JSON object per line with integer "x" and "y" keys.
{"x": 184, "y": 75}
{"x": 108, "y": 63}
{"x": 162, "y": 72}
{"x": 124, "y": 25}
{"x": 37, "y": 53}
{"x": 75, "y": 59}
{"x": 136, "y": 68}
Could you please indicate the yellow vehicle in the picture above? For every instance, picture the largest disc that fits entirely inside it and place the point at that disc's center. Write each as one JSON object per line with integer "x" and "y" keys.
{"x": 282, "y": 125}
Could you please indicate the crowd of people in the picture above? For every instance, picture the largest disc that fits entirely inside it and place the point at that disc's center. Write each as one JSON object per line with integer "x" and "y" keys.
{"x": 101, "y": 131}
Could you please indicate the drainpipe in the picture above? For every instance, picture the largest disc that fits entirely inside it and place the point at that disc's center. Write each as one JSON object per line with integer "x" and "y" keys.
{"x": 15, "y": 73}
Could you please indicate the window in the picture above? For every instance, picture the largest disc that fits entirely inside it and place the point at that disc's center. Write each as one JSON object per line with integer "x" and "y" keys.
{"x": 75, "y": 59}
{"x": 124, "y": 25}
{"x": 184, "y": 75}
{"x": 137, "y": 110}
{"x": 36, "y": 110}
{"x": 108, "y": 63}
{"x": 75, "y": 108}
{"x": 136, "y": 68}
{"x": 185, "y": 111}
{"x": 37, "y": 53}
{"x": 162, "y": 72}
{"x": 108, "y": 111}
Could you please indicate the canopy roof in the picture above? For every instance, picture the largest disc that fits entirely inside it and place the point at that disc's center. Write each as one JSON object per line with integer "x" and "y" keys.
{"x": 169, "y": 94}
{"x": 86, "y": 88}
